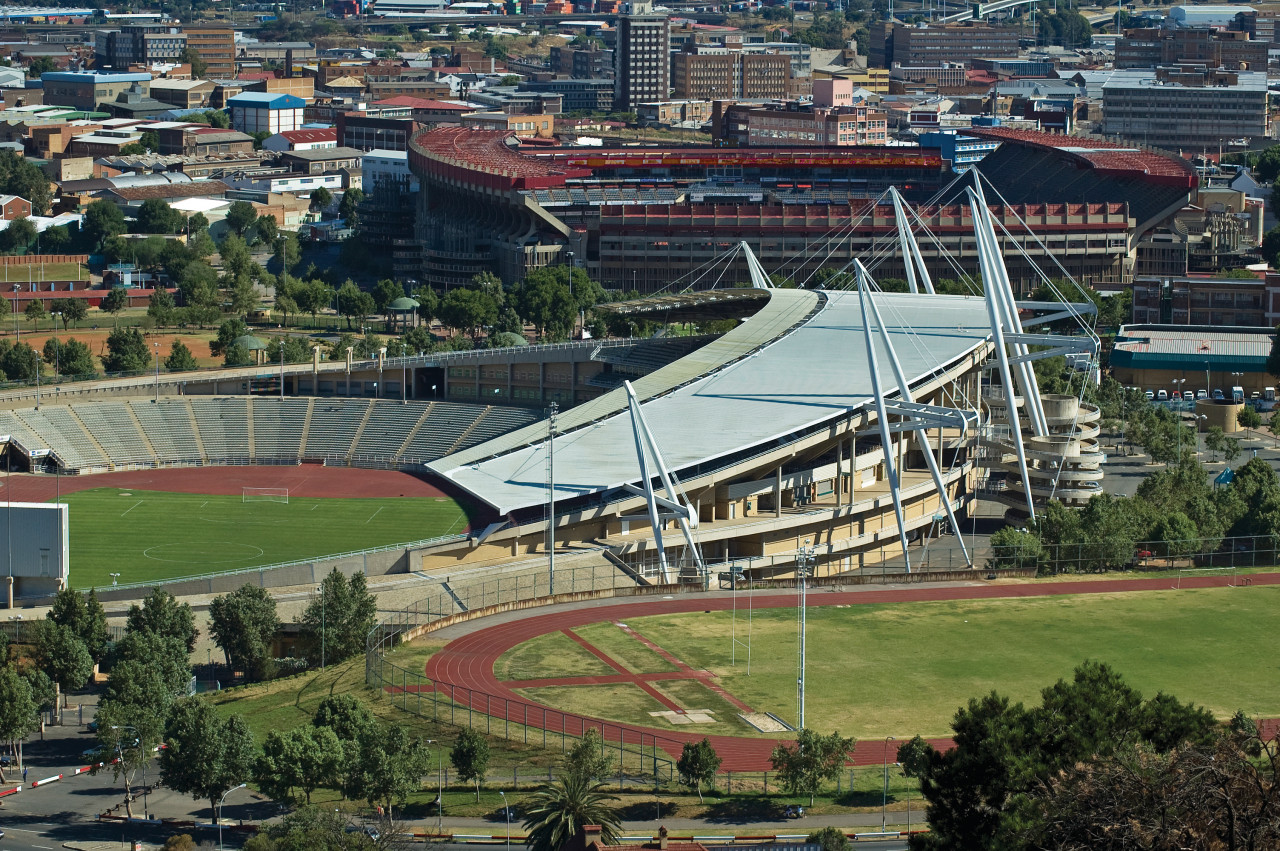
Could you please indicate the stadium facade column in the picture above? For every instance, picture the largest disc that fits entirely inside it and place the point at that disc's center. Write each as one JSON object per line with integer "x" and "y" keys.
{"x": 839, "y": 471}
{"x": 777, "y": 491}
{"x": 9, "y": 592}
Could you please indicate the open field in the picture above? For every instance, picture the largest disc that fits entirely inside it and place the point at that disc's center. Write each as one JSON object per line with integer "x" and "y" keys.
{"x": 552, "y": 655}
{"x": 152, "y": 535}
{"x": 901, "y": 669}
{"x": 22, "y": 272}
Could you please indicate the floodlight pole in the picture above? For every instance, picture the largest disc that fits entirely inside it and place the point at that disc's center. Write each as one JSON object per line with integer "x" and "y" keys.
{"x": 221, "y": 801}
{"x": 804, "y": 563}
{"x": 551, "y": 499}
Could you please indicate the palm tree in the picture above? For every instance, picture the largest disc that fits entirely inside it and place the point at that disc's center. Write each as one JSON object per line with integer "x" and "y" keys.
{"x": 558, "y": 812}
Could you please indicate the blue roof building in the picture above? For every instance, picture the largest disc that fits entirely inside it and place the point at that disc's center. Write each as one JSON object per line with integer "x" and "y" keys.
{"x": 266, "y": 112}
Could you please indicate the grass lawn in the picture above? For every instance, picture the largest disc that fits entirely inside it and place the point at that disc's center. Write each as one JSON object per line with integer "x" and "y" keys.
{"x": 552, "y": 655}
{"x": 692, "y": 694}
{"x": 903, "y": 669}
{"x": 624, "y": 702}
{"x": 150, "y": 535}
{"x": 624, "y": 649}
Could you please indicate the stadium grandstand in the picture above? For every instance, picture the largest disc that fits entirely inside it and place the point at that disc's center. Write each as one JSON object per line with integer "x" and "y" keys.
{"x": 640, "y": 218}
{"x": 837, "y": 425}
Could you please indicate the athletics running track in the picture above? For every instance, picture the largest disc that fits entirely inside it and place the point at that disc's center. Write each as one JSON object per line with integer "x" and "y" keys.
{"x": 466, "y": 664}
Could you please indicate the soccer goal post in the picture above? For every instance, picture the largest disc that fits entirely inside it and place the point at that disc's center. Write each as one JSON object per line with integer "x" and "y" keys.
{"x": 264, "y": 495}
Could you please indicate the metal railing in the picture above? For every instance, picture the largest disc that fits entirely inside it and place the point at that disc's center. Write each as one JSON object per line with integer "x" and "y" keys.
{"x": 318, "y": 560}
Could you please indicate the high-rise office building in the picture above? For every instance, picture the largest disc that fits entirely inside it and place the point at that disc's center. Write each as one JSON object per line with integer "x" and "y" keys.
{"x": 642, "y": 58}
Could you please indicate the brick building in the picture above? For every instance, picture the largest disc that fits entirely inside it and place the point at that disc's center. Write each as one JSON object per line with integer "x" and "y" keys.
{"x": 708, "y": 72}
{"x": 930, "y": 45}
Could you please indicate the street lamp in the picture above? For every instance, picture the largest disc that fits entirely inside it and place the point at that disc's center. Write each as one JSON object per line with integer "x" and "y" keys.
{"x": 220, "y": 803}
{"x": 884, "y": 797}
{"x": 506, "y": 811}
{"x": 1177, "y": 385}
{"x": 440, "y": 786}
{"x": 115, "y": 578}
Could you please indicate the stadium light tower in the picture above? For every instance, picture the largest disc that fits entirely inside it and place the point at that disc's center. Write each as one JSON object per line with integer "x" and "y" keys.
{"x": 804, "y": 564}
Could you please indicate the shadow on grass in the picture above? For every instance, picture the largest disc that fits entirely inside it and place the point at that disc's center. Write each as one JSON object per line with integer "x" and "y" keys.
{"x": 743, "y": 810}
{"x": 863, "y": 798}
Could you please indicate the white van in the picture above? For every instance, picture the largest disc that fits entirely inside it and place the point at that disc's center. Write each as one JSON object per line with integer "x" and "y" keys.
{"x": 1237, "y": 394}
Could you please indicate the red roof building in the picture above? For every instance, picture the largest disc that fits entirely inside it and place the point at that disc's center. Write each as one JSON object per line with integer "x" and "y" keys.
{"x": 302, "y": 140}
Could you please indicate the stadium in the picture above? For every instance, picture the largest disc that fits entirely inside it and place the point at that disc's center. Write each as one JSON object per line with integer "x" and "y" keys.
{"x": 841, "y": 428}
{"x": 640, "y": 218}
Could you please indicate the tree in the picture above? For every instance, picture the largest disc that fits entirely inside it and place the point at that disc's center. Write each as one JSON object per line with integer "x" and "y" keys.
{"x": 385, "y": 292}
{"x": 18, "y": 236}
{"x": 1015, "y": 548}
{"x": 41, "y": 65}
{"x": 235, "y": 255}
{"x": 180, "y": 358}
{"x": 321, "y": 198}
{"x": 34, "y": 311}
{"x": 156, "y": 216}
{"x": 71, "y": 310}
{"x": 544, "y": 300}
{"x": 978, "y": 791}
{"x": 70, "y": 357}
{"x": 84, "y": 616}
{"x": 309, "y": 828}
{"x": 342, "y": 616}
{"x": 190, "y": 56}
{"x": 470, "y": 757}
{"x": 63, "y": 656}
{"x": 348, "y": 208}
{"x": 17, "y": 709}
{"x": 390, "y": 764}
{"x": 287, "y": 251}
{"x": 304, "y": 758}
{"x": 698, "y": 765}
{"x": 130, "y": 720}
{"x": 913, "y": 756}
{"x": 468, "y": 310}
{"x": 204, "y": 754}
{"x": 162, "y": 614}
{"x": 829, "y": 838}
{"x": 116, "y": 300}
{"x": 22, "y": 177}
{"x": 243, "y": 623}
{"x": 353, "y": 303}
{"x": 814, "y": 760}
{"x": 102, "y": 220}
{"x": 557, "y": 813}
{"x": 21, "y": 363}
{"x": 343, "y": 714}
{"x": 160, "y": 306}
{"x": 240, "y": 217}
{"x": 587, "y": 758}
{"x": 126, "y": 351}
{"x": 43, "y": 692}
{"x": 1248, "y": 417}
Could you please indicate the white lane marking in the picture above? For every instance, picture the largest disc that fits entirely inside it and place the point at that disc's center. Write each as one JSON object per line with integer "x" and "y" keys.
{"x": 375, "y": 514}
{"x": 132, "y": 507}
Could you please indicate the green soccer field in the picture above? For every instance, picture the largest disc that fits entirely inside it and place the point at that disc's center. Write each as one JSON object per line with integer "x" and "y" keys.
{"x": 152, "y": 535}
{"x": 901, "y": 669}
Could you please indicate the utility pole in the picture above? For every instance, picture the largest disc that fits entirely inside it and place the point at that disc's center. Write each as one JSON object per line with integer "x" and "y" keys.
{"x": 551, "y": 499}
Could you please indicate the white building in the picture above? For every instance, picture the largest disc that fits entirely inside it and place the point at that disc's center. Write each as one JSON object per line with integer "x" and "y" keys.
{"x": 380, "y": 164}
{"x": 264, "y": 112}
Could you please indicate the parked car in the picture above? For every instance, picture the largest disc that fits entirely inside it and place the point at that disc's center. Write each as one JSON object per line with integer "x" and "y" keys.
{"x": 1188, "y": 396}
{"x": 1217, "y": 396}
{"x": 1162, "y": 396}
{"x": 1150, "y": 395}
{"x": 1202, "y": 394}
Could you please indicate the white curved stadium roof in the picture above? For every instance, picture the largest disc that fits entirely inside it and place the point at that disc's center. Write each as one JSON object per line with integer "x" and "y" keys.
{"x": 805, "y": 377}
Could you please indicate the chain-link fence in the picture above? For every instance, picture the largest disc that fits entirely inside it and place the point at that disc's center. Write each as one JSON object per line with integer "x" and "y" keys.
{"x": 1097, "y": 556}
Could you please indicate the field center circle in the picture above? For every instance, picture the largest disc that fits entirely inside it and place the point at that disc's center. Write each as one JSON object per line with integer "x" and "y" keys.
{"x": 204, "y": 553}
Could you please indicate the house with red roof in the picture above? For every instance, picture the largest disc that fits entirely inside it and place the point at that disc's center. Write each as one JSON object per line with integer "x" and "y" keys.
{"x": 302, "y": 140}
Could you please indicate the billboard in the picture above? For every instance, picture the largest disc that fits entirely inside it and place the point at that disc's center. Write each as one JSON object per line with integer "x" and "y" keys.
{"x": 34, "y": 544}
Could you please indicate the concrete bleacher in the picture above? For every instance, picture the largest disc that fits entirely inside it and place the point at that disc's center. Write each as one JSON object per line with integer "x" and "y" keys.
{"x": 65, "y": 437}
{"x": 125, "y": 434}
{"x": 389, "y": 424}
{"x": 167, "y": 425}
{"x": 278, "y": 427}
{"x": 334, "y": 423}
{"x": 114, "y": 428}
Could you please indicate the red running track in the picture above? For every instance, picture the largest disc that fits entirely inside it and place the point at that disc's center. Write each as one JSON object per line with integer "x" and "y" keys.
{"x": 304, "y": 480}
{"x": 466, "y": 664}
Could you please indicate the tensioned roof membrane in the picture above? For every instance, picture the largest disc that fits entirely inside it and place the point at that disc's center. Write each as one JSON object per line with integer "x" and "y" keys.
{"x": 806, "y": 376}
